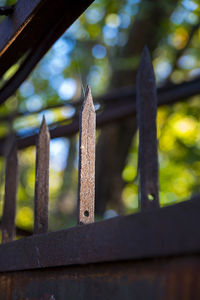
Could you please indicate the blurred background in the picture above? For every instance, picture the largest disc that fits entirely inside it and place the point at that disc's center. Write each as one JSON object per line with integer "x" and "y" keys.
{"x": 103, "y": 49}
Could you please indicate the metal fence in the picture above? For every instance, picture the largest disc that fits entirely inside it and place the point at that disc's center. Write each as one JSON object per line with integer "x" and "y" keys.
{"x": 153, "y": 254}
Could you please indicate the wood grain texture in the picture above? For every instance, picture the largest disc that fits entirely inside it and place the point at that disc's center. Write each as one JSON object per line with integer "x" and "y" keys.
{"x": 87, "y": 139}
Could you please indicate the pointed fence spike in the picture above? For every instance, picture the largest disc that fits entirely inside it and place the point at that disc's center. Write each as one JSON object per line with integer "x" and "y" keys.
{"x": 146, "y": 113}
{"x": 87, "y": 138}
{"x": 41, "y": 199}
{"x": 9, "y": 209}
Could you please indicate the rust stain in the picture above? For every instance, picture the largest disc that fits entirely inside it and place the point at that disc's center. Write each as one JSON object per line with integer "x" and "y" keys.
{"x": 170, "y": 278}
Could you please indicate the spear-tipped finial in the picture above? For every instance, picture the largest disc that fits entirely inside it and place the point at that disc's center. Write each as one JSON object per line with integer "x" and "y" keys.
{"x": 42, "y": 180}
{"x": 146, "y": 113}
{"x": 87, "y": 138}
{"x": 88, "y": 100}
{"x": 146, "y": 68}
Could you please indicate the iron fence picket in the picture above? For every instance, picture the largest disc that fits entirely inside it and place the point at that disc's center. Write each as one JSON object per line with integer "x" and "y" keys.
{"x": 146, "y": 112}
{"x": 87, "y": 138}
{"x": 11, "y": 182}
{"x": 41, "y": 199}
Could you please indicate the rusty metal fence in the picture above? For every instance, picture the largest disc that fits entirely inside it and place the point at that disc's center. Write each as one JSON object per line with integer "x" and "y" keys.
{"x": 153, "y": 254}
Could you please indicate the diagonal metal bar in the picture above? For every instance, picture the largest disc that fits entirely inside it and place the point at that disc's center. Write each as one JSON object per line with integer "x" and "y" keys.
{"x": 6, "y": 10}
{"x": 35, "y": 18}
{"x": 147, "y": 110}
{"x": 42, "y": 181}
{"x": 87, "y": 133}
{"x": 9, "y": 209}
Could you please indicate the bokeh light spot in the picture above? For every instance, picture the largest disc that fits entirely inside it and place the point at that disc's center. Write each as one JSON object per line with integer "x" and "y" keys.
{"x": 99, "y": 51}
{"x": 67, "y": 89}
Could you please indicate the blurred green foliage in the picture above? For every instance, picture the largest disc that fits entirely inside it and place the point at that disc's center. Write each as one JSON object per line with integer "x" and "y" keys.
{"x": 88, "y": 53}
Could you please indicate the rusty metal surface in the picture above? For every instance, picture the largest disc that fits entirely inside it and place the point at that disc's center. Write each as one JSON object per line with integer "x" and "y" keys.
{"x": 87, "y": 141}
{"x": 9, "y": 208}
{"x": 168, "y": 231}
{"x": 146, "y": 113}
{"x": 161, "y": 279}
{"x": 41, "y": 200}
{"x": 30, "y": 22}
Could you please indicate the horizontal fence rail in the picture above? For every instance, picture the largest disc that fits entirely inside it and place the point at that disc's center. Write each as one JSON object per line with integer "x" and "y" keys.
{"x": 167, "y": 94}
{"x": 118, "y": 110}
{"x": 161, "y": 232}
{"x": 172, "y": 278}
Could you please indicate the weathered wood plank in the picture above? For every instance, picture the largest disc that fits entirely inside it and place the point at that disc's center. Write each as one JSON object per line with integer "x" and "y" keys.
{"x": 87, "y": 140}
{"x": 41, "y": 200}
{"x": 147, "y": 111}
{"x": 9, "y": 209}
{"x": 162, "y": 232}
